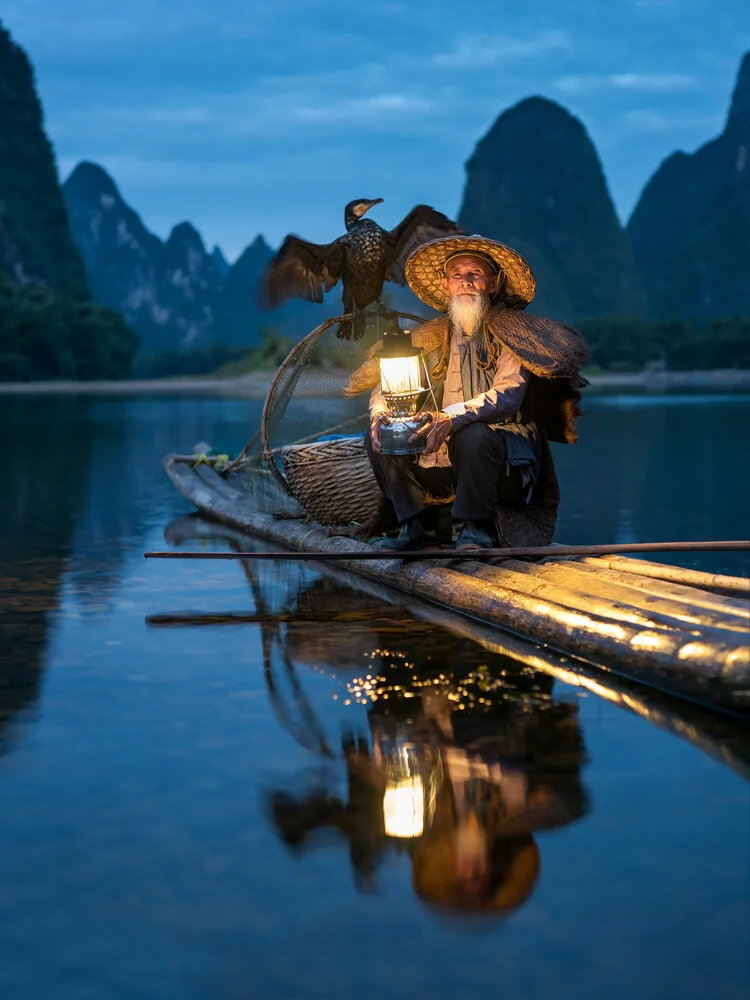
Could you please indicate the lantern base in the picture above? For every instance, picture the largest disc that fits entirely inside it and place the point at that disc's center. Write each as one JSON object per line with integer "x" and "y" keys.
{"x": 394, "y": 436}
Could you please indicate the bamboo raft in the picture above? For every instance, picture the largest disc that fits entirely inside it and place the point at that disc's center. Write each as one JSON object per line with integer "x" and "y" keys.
{"x": 626, "y": 616}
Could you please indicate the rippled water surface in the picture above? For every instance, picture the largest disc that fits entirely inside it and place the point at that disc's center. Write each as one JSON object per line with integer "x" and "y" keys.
{"x": 219, "y": 808}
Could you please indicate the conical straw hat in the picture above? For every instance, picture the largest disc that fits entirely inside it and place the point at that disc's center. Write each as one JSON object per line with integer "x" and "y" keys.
{"x": 425, "y": 268}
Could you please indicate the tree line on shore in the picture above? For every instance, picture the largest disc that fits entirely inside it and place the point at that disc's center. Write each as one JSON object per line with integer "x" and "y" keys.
{"x": 621, "y": 344}
{"x": 48, "y": 335}
{"x": 45, "y": 335}
{"x": 618, "y": 344}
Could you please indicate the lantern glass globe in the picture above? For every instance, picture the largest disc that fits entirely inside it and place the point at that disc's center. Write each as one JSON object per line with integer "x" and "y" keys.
{"x": 399, "y": 375}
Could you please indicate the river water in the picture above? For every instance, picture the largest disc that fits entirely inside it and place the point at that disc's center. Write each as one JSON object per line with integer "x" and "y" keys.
{"x": 200, "y": 811}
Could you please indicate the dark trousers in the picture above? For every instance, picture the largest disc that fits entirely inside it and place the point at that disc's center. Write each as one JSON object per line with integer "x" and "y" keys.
{"x": 479, "y": 476}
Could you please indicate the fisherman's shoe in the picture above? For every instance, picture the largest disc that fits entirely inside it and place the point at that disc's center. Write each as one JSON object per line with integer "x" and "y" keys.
{"x": 415, "y": 536}
{"x": 475, "y": 535}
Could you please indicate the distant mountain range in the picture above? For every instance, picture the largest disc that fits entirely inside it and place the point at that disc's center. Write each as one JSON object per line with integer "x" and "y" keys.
{"x": 534, "y": 181}
{"x": 178, "y": 294}
{"x": 168, "y": 292}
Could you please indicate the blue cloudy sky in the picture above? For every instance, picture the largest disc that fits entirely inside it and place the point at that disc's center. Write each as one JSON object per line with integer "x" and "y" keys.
{"x": 248, "y": 117}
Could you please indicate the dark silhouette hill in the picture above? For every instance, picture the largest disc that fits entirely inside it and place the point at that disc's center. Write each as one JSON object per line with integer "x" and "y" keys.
{"x": 535, "y": 182}
{"x": 35, "y": 241}
{"x": 691, "y": 227}
{"x": 50, "y": 327}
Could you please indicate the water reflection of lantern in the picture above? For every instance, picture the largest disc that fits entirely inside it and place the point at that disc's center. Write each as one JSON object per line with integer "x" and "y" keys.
{"x": 400, "y": 380}
{"x": 411, "y": 782}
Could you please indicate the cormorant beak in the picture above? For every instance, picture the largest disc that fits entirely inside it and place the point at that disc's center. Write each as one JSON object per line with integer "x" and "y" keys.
{"x": 365, "y": 206}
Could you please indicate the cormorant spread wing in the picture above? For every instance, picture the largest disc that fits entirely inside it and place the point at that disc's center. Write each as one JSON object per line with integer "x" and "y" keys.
{"x": 303, "y": 270}
{"x": 364, "y": 258}
{"x": 423, "y": 223}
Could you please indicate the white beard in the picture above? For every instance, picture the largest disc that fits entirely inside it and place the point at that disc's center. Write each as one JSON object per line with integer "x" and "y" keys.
{"x": 466, "y": 312}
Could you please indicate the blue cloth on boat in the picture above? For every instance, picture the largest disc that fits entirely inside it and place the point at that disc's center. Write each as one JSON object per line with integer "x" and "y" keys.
{"x": 338, "y": 437}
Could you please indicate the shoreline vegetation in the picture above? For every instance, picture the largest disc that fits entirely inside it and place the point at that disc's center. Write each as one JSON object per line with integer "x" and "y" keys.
{"x": 254, "y": 385}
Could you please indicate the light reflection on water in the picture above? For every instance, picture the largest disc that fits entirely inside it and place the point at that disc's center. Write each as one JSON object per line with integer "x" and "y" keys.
{"x": 195, "y": 811}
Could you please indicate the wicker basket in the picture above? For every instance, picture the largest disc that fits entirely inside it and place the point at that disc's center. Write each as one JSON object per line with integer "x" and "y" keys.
{"x": 333, "y": 480}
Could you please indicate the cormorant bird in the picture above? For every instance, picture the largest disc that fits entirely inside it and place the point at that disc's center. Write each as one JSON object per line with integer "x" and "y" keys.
{"x": 364, "y": 259}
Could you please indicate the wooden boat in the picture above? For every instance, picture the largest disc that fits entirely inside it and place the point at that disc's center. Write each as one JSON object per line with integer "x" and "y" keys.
{"x": 624, "y": 616}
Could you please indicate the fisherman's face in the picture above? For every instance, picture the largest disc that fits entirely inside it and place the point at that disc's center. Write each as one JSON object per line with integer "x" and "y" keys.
{"x": 469, "y": 275}
{"x": 470, "y": 283}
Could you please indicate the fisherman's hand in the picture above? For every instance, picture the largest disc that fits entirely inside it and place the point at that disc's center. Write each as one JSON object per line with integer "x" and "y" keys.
{"x": 375, "y": 433}
{"x": 436, "y": 431}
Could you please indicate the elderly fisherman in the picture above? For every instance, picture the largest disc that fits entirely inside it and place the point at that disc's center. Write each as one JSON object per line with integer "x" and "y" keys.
{"x": 502, "y": 382}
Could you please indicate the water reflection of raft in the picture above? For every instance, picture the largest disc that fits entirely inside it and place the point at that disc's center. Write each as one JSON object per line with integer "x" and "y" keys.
{"x": 687, "y": 640}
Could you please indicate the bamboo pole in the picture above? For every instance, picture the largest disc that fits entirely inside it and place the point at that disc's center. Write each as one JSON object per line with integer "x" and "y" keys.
{"x": 586, "y": 602}
{"x": 581, "y": 580}
{"x": 692, "y": 596}
{"x": 517, "y": 551}
{"x": 660, "y": 571}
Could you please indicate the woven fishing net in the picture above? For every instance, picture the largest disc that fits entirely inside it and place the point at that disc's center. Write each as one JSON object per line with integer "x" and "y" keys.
{"x": 308, "y": 456}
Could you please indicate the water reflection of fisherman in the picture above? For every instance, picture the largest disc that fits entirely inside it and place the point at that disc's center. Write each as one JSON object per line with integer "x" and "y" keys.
{"x": 509, "y": 769}
{"x": 489, "y": 774}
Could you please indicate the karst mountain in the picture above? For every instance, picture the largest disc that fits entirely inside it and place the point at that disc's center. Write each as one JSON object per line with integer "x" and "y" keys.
{"x": 691, "y": 227}
{"x": 534, "y": 181}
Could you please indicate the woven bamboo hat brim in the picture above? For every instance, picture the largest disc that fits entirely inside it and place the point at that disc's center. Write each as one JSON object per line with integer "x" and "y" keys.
{"x": 425, "y": 268}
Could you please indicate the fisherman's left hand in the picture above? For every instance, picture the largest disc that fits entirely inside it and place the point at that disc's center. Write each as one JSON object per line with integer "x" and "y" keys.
{"x": 436, "y": 431}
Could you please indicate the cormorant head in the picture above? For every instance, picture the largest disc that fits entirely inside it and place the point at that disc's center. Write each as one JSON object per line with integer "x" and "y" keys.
{"x": 357, "y": 208}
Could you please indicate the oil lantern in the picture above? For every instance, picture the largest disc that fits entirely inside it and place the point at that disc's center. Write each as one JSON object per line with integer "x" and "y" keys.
{"x": 400, "y": 378}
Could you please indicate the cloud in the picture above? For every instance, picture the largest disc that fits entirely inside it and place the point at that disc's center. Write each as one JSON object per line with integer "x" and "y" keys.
{"x": 140, "y": 21}
{"x": 653, "y": 81}
{"x": 657, "y": 6}
{"x": 274, "y": 110}
{"x": 648, "y": 120}
{"x": 577, "y": 83}
{"x": 159, "y": 173}
{"x": 355, "y": 109}
{"x": 481, "y": 50}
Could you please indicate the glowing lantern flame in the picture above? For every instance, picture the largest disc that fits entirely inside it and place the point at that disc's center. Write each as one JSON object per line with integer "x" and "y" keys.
{"x": 399, "y": 375}
{"x": 403, "y": 808}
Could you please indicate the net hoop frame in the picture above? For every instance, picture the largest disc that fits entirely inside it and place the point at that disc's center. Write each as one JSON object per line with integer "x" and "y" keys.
{"x": 270, "y": 454}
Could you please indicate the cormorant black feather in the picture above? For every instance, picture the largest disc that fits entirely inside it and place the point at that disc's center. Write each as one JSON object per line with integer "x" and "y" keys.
{"x": 363, "y": 260}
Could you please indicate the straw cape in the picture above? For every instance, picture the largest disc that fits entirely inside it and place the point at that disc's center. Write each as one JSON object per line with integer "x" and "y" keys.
{"x": 547, "y": 349}
{"x": 552, "y": 352}
{"x": 426, "y": 266}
